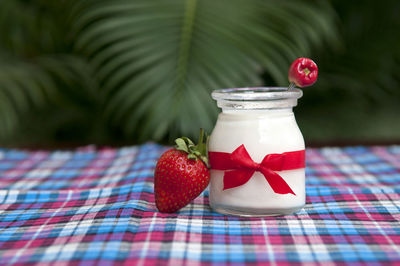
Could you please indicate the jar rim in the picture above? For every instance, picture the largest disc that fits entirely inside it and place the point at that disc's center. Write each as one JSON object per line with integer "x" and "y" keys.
{"x": 256, "y": 93}
{"x": 256, "y": 98}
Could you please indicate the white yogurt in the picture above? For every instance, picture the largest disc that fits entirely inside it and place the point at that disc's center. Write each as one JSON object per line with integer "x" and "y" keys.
{"x": 262, "y": 131}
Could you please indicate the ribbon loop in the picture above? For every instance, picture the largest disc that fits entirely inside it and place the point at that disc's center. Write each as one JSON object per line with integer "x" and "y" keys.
{"x": 239, "y": 167}
{"x": 242, "y": 158}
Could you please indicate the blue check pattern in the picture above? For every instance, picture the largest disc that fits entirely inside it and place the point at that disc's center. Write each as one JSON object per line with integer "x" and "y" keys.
{"x": 92, "y": 206}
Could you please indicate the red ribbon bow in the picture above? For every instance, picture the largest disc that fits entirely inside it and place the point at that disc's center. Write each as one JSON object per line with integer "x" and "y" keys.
{"x": 240, "y": 167}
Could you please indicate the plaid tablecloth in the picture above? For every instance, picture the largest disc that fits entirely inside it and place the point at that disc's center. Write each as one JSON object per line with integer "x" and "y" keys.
{"x": 96, "y": 206}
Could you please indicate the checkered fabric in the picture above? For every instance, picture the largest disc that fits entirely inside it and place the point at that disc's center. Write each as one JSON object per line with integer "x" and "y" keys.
{"x": 96, "y": 206}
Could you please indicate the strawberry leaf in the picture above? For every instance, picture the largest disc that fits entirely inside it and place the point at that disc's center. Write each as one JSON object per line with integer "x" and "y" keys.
{"x": 199, "y": 151}
{"x": 181, "y": 145}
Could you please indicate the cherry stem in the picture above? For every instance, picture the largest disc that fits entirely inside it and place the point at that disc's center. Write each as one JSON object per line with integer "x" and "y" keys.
{"x": 291, "y": 86}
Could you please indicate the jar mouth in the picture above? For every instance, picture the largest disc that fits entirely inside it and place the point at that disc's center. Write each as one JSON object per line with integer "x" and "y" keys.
{"x": 256, "y": 93}
{"x": 256, "y": 97}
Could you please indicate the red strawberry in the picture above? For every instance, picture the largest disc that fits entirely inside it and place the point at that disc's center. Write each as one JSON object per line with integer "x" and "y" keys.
{"x": 181, "y": 174}
{"x": 303, "y": 72}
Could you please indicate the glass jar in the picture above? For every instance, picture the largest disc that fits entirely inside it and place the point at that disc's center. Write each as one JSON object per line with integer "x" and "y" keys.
{"x": 260, "y": 120}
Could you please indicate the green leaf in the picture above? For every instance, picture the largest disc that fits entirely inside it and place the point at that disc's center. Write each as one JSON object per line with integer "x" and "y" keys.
{"x": 159, "y": 61}
{"x": 181, "y": 145}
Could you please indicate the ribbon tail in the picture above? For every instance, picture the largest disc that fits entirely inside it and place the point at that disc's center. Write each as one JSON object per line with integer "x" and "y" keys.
{"x": 277, "y": 183}
{"x": 235, "y": 178}
{"x": 285, "y": 161}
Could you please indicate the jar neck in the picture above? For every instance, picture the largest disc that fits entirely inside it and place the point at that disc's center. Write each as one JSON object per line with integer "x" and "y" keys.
{"x": 258, "y": 111}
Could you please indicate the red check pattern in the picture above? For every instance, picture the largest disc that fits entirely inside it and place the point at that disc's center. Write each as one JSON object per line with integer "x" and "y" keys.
{"x": 96, "y": 206}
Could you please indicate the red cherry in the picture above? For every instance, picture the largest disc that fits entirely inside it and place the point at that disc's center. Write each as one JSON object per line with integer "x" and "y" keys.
{"x": 303, "y": 72}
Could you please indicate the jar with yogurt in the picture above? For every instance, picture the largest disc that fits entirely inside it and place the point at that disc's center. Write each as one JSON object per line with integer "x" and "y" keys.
{"x": 257, "y": 153}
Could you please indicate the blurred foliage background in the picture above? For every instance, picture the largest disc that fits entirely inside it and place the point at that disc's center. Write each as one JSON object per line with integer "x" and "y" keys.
{"x": 128, "y": 71}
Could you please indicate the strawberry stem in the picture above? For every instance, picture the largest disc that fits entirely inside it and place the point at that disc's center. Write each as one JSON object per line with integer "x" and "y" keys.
{"x": 201, "y": 136}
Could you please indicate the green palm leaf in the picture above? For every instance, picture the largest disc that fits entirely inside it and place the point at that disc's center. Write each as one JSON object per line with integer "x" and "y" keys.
{"x": 158, "y": 60}
{"x": 40, "y": 82}
{"x": 27, "y": 87}
{"x": 21, "y": 87}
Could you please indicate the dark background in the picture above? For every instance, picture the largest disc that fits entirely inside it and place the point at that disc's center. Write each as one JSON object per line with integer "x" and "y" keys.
{"x": 121, "y": 72}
